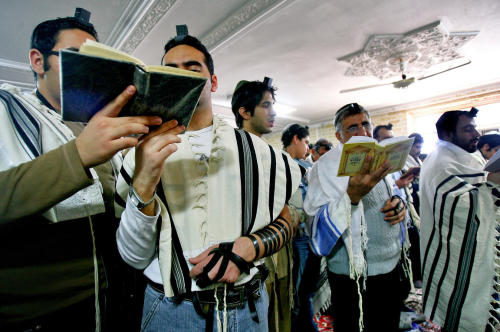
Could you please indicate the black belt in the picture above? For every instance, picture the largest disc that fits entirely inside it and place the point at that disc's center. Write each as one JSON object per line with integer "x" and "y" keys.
{"x": 236, "y": 296}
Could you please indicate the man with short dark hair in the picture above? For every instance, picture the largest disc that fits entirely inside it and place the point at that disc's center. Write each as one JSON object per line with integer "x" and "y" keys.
{"x": 252, "y": 105}
{"x": 487, "y": 146}
{"x": 57, "y": 194}
{"x": 459, "y": 238}
{"x": 413, "y": 159}
{"x": 382, "y": 132}
{"x": 202, "y": 210}
{"x": 356, "y": 226}
{"x": 321, "y": 147}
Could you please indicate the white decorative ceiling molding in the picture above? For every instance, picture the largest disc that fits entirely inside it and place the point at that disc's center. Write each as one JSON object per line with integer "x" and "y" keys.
{"x": 138, "y": 19}
{"x": 14, "y": 65}
{"x": 240, "y": 21}
{"x": 413, "y": 52}
{"x": 123, "y": 28}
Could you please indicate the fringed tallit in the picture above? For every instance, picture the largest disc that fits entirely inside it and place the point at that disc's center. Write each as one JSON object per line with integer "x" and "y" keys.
{"x": 459, "y": 235}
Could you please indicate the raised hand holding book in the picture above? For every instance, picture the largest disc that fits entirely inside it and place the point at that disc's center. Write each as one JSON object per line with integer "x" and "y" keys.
{"x": 493, "y": 165}
{"x": 95, "y": 75}
{"x": 395, "y": 150}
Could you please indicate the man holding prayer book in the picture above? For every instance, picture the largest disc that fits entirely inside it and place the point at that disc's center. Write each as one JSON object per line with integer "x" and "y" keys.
{"x": 357, "y": 226}
{"x": 57, "y": 194}
{"x": 201, "y": 209}
{"x": 459, "y": 233}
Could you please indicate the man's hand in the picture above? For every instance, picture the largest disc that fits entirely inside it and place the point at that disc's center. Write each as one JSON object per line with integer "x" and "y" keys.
{"x": 394, "y": 210}
{"x": 150, "y": 156}
{"x": 405, "y": 179}
{"x": 243, "y": 247}
{"x": 106, "y": 134}
{"x": 361, "y": 184}
{"x": 494, "y": 177}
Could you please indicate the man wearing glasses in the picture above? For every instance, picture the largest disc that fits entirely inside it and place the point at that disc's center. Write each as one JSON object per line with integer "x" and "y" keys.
{"x": 356, "y": 227}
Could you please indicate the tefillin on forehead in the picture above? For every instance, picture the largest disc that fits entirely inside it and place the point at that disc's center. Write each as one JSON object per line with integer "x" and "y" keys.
{"x": 182, "y": 31}
{"x": 268, "y": 81}
{"x": 82, "y": 15}
{"x": 473, "y": 111}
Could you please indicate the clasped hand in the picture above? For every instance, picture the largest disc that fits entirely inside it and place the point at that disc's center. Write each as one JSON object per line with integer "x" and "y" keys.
{"x": 394, "y": 210}
{"x": 242, "y": 247}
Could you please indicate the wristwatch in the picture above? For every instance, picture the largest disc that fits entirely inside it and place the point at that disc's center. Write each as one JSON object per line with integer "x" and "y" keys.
{"x": 136, "y": 200}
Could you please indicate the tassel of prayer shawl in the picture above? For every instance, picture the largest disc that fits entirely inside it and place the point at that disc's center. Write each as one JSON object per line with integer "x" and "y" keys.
{"x": 96, "y": 278}
{"x": 219, "y": 326}
{"x": 360, "y": 304}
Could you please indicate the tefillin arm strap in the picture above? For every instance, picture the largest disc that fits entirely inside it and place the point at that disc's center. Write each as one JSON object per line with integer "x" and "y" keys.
{"x": 273, "y": 237}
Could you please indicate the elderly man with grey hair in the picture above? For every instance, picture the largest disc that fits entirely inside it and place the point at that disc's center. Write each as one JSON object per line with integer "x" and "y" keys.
{"x": 357, "y": 226}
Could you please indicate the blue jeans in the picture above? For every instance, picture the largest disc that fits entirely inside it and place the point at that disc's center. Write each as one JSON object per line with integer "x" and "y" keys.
{"x": 160, "y": 313}
{"x": 300, "y": 252}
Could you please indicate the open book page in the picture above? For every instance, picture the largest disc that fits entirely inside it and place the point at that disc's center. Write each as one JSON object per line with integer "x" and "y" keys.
{"x": 493, "y": 165}
{"x": 94, "y": 48}
{"x": 395, "y": 150}
{"x": 354, "y": 154}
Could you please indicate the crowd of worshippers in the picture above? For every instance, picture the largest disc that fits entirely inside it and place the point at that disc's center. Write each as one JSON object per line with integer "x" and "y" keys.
{"x": 116, "y": 226}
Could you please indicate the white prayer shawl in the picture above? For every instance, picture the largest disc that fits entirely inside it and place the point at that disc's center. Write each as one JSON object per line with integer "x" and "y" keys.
{"x": 412, "y": 162}
{"x": 22, "y": 140}
{"x": 460, "y": 215}
{"x": 327, "y": 197}
{"x": 204, "y": 198}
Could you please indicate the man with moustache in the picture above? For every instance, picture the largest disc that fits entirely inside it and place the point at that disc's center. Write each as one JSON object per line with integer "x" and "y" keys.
{"x": 460, "y": 212}
{"x": 356, "y": 225}
{"x": 252, "y": 106}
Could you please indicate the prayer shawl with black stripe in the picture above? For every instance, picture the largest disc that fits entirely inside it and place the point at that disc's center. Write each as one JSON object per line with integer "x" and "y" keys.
{"x": 241, "y": 188}
{"x": 460, "y": 215}
{"x": 27, "y": 129}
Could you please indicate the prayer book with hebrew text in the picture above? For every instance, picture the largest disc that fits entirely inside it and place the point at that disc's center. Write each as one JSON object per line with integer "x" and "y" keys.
{"x": 395, "y": 150}
{"x": 97, "y": 73}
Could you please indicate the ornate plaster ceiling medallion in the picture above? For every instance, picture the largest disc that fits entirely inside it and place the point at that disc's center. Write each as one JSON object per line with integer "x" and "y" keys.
{"x": 387, "y": 56}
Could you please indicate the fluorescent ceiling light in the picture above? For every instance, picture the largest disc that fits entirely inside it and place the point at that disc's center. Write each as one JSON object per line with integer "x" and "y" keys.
{"x": 282, "y": 109}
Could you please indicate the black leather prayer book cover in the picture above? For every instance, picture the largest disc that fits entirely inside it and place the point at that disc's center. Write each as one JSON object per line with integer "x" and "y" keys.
{"x": 90, "y": 82}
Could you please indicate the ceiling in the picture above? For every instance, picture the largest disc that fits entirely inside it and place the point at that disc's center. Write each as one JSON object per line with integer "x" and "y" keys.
{"x": 295, "y": 42}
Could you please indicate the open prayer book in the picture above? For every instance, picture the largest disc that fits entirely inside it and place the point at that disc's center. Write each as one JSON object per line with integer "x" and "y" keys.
{"x": 395, "y": 150}
{"x": 493, "y": 165}
{"x": 97, "y": 73}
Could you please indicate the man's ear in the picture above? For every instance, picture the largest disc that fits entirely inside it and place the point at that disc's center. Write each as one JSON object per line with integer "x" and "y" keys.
{"x": 339, "y": 137}
{"x": 214, "y": 87}
{"x": 244, "y": 113}
{"x": 37, "y": 61}
{"x": 448, "y": 136}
